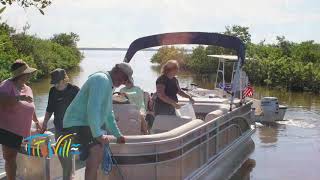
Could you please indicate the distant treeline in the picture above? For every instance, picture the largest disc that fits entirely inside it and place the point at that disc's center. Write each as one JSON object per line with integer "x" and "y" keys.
{"x": 60, "y": 51}
{"x": 284, "y": 64}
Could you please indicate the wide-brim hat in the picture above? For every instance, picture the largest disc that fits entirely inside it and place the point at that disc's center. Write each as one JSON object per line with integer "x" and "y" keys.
{"x": 24, "y": 69}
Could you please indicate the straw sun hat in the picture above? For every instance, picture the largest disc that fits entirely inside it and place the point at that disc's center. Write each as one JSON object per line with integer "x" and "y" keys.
{"x": 23, "y": 69}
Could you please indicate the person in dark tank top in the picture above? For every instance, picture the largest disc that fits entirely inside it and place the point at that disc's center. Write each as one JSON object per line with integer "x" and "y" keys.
{"x": 61, "y": 95}
{"x": 167, "y": 90}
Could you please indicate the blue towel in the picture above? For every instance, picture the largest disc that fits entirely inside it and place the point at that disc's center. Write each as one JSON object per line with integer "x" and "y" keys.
{"x": 106, "y": 165}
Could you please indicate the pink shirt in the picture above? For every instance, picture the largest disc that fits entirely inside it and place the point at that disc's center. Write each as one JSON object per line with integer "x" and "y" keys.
{"x": 16, "y": 118}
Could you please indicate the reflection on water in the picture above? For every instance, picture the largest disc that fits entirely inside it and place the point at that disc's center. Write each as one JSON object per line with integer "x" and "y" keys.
{"x": 268, "y": 134}
{"x": 244, "y": 172}
{"x": 287, "y": 150}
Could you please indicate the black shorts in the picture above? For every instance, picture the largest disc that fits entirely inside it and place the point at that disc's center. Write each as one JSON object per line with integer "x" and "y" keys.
{"x": 161, "y": 108}
{"x": 58, "y": 133}
{"x": 83, "y": 137}
{"x": 10, "y": 139}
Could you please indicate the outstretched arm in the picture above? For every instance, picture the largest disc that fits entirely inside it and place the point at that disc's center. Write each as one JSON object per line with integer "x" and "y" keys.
{"x": 111, "y": 125}
{"x": 36, "y": 121}
{"x": 184, "y": 94}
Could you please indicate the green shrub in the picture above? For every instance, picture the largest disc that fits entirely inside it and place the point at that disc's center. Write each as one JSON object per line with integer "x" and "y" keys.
{"x": 167, "y": 53}
{"x": 45, "y": 55}
{"x": 294, "y": 66}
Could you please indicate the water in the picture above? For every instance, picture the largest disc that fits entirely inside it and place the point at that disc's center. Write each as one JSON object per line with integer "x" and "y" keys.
{"x": 288, "y": 150}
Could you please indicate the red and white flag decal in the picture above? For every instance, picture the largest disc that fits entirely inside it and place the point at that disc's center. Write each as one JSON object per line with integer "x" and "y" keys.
{"x": 248, "y": 91}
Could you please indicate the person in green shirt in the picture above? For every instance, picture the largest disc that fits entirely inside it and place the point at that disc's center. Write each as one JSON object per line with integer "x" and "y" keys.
{"x": 136, "y": 96}
{"x": 92, "y": 109}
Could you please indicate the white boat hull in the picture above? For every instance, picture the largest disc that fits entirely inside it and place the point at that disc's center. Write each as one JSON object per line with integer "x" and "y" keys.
{"x": 259, "y": 115}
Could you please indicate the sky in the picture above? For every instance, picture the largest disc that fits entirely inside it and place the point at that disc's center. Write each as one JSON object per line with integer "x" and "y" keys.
{"x": 116, "y": 23}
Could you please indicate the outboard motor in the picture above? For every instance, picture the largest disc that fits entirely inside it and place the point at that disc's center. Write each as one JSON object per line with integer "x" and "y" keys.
{"x": 270, "y": 108}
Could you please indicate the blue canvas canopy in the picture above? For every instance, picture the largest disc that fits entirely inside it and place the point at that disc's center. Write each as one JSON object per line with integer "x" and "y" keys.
{"x": 201, "y": 38}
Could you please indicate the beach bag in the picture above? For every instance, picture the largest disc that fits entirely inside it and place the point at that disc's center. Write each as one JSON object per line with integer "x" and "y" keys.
{"x": 107, "y": 163}
{"x": 186, "y": 110}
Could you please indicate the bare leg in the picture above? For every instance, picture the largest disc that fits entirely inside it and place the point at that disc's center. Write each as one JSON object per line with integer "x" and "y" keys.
{"x": 10, "y": 155}
{"x": 93, "y": 162}
{"x": 66, "y": 164}
{"x": 144, "y": 126}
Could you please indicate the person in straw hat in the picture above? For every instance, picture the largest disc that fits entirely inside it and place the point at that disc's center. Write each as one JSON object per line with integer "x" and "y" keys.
{"x": 17, "y": 110}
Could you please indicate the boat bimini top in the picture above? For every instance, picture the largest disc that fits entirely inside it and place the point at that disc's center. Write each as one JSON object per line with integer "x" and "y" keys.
{"x": 175, "y": 38}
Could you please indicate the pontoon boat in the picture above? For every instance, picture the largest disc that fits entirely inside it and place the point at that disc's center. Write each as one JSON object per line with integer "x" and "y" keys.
{"x": 212, "y": 146}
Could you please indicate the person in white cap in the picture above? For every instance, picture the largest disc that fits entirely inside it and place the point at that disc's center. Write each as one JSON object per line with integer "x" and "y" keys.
{"x": 90, "y": 110}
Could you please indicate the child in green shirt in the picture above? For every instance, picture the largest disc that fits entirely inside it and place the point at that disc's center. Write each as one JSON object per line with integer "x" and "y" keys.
{"x": 136, "y": 96}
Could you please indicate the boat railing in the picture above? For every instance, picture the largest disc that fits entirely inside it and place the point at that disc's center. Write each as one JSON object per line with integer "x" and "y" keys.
{"x": 166, "y": 137}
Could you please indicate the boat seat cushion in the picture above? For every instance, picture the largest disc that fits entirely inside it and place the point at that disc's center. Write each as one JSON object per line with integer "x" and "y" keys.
{"x": 205, "y": 108}
{"x": 163, "y": 123}
{"x": 127, "y": 117}
{"x": 214, "y": 114}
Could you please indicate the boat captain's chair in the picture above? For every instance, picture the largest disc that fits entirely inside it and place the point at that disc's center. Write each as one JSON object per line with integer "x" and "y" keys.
{"x": 164, "y": 123}
{"x": 127, "y": 117}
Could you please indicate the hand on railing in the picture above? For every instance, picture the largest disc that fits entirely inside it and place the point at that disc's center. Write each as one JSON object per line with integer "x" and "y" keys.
{"x": 121, "y": 140}
{"x": 103, "y": 139}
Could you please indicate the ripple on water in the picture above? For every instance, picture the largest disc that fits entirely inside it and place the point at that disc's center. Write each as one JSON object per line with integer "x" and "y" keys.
{"x": 302, "y": 118}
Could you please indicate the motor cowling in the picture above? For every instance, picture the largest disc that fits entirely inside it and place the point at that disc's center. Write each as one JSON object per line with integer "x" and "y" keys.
{"x": 270, "y": 105}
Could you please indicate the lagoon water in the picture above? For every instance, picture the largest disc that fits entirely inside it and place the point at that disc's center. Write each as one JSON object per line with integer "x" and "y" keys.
{"x": 289, "y": 150}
